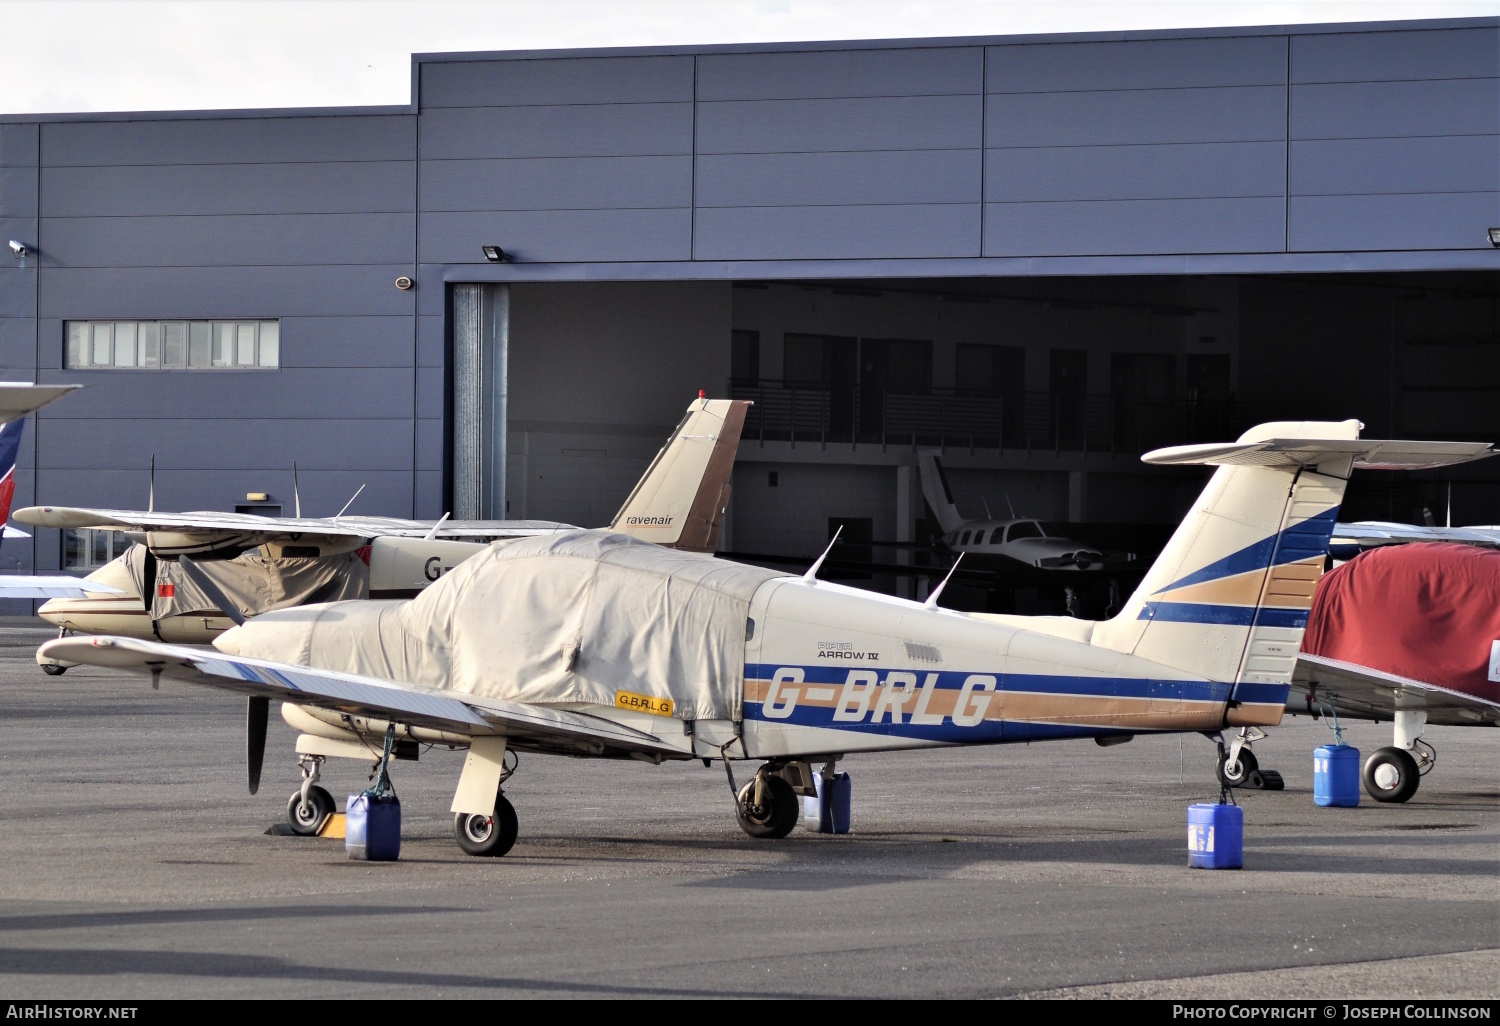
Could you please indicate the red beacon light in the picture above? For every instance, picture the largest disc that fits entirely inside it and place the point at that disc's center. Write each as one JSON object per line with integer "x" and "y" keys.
{"x": 702, "y": 394}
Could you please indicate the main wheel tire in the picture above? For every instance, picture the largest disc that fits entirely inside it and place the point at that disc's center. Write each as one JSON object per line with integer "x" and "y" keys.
{"x": 488, "y": 836}
{"x": 1247, "y": 765}
{"x": 53, "y": 670}
{"x": 305, "y": 819}
{"x": 1391, "y": 775}
{"x": 776, "y": 817}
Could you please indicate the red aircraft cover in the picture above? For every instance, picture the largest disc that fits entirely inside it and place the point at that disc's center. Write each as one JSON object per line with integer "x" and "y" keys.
{"x": 1425, "y": 611}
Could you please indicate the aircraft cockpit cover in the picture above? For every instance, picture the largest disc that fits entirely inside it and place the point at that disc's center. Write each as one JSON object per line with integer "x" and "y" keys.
{"x": 1427, "y": 612}
{"x": 576, "y": 617}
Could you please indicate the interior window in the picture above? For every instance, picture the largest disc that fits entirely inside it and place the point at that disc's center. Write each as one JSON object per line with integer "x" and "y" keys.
{"x": 964, "y": 538}
{"x": 979, "y": 537}
{"x": 1024, "y": 529}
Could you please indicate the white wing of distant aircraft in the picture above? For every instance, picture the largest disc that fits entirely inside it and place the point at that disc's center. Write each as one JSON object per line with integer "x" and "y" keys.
{"x": 594, "y": 643}
{"x": 17, "y": 400}
{"x": 1351, "y": 539}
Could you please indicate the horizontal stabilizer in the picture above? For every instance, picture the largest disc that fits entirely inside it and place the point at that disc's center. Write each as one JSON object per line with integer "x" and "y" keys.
{"x": 18, "y": 398}
{"x": 1368, "y": 453}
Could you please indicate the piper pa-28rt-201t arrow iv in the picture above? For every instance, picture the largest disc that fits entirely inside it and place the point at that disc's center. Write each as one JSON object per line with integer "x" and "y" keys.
{"x": 263, "y": 563}
{"x": 593, "y": 643}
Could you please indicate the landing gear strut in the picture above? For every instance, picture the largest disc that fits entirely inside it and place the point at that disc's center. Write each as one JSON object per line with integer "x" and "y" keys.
{"x": 1238, "y": 766}
{"x": 310, "y": 805}
{"x": 1392, "y": 774}
{"x": 767, "y": 806}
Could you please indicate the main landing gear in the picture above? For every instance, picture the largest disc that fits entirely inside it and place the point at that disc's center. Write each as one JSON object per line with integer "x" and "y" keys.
{"x": 770, "y": 804}
{"x": 488, "y": 836}
{"x": 1238, "y": 766}
{"x": 1393, "y": 774}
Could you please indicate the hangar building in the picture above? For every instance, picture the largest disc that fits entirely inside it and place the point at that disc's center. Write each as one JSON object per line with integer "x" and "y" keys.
{"x": 1041, "y": 254}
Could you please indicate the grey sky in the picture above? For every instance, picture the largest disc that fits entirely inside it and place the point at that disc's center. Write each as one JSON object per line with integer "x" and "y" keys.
{"x": 88, "y": 55}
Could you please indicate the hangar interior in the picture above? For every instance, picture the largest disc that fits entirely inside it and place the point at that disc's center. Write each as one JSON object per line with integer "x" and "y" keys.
{"x": 1040, "y": 393}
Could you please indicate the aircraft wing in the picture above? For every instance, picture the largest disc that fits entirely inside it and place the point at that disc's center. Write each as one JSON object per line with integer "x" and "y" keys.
{"x": 210, "y": 528}
{"x": 530, "y": 725}
{"x": 1364, "y": 692}
{"x": 1369, "y": 533}
{"x": 19, "y": 398}
{"x": 54, "y": 586}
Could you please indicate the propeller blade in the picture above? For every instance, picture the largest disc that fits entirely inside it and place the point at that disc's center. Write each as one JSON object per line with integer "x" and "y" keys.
{"x": 257, "y": 712}
{"x": 216, "y": 596}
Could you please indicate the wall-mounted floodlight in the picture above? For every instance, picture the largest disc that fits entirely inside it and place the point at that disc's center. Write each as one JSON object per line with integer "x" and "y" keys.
{"x": 19, "y": 249}
{"x": 1494, "y": 238}
{"x": 494, "y": 254}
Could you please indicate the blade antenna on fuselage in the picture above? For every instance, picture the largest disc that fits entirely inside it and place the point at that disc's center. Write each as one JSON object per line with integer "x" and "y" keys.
{"x": 433, "y": 533}
{"x": 811, "y": 577}
{"x": 349, "y": 503}
{"x": 151, "y": 493}
{"x": 296, "y": 492}
{"x": 931, "y": 602}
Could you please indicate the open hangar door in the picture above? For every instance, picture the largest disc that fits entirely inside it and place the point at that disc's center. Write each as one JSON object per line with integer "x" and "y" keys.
{"x": 1040, "y": 393}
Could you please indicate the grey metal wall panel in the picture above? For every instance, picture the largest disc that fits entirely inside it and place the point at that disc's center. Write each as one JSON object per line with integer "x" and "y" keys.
{"x": 832, "y": 73}
{"x": 17, "y": 340}
{"x": 431, "y": 434}
{"x": 227, "y": 241}
{"x": 1460, "y": 163}
{"x": 431, "y": 341}
{"x": 429, "y": 497}
{"x": 584, "y": 130}
{"x": 18, "y": 191}
{"x": 1392, "y": 222}
{"x": 1350, "y": 110}
{"x": 1170, "y": 171}
{"x": 361, "y": 393}
{"x": 557, "y": 183}
{"x": 1384, "y": 56}
{"x": 303, "y": 188}
{"x": 1137, "y": 64}
{"x": 430, "y": 392}
{"x": 212, "y": 444}
{"x": 869, "y": 123}
{"x": 223, "y": 291}
{"x": 1123, "y": 227}
{"x": 791, "y": 179}
{"x": 17, "y": 292}
{"x": 509, "y": 83}
{"x": 1229, "y": 114}
{"x": 558, "y": 235}
{"x": 346, "y": 342}
{"x": 19, "y": 144}
{"x": 24, "y": 231}
{"x": 229, "y": 140}
{"x": 832, "y": 232}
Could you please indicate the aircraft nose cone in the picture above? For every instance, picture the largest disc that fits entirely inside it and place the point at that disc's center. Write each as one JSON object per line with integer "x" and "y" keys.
{"x": 229, "y": 641}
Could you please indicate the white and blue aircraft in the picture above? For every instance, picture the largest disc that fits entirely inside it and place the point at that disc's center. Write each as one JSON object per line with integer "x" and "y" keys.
{"x": 594, "y": 643}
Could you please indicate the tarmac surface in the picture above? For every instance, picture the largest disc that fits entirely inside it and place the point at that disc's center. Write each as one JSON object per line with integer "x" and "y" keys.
{"x": 133, "y": 864}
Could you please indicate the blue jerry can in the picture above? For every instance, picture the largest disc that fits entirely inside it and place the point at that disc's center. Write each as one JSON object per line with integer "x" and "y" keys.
{"x": 1336, "y": 775}
{"x": 372, "y": 828}
{"x": 834, "y": 798}
{"x": 1216, "y": 836}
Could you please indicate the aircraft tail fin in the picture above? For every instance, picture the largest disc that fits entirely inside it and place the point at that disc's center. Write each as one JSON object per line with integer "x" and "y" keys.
{"x": 681, "y": 500}
{"x": 10, "y": 451}
{"x": 936, "y": 491}
{"x": 1228, "y": 597}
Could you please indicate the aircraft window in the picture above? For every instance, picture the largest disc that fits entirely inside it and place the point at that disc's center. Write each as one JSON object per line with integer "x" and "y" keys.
{"x": 964, "y": 538}
{"x": 89, "y": 550}
{"x": 1024, "y": 529}
{"x": 1051, "y": 530}
{"x": 978, "y": 537}
{"x": 172, "y": 345}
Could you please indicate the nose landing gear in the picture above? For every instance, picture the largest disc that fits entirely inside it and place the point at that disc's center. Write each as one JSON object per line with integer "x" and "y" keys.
{"x": 1238, "y": 766}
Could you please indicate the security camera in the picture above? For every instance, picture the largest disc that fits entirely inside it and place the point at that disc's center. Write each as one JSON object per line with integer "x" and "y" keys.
{"x": 18, "y": 248}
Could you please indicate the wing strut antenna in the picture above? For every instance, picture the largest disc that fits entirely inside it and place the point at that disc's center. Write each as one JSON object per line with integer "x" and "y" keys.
{"x": 297, "y": 493}
{"x": 151, "y": 494}
{"x": 215, "y": 595}
{"x": 931, "y": 602}
{"x": 433, "y": 533}
{"x": 349, "y": 503}
{"x": 811, "y": 577}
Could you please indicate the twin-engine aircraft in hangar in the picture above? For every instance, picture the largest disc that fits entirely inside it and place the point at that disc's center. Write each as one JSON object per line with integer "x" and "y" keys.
{"x": 596, "y": 643}
{"x": 262, "y": 563}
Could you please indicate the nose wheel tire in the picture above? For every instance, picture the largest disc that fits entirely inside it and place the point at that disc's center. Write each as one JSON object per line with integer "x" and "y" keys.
{"x": 53, "y": 670}
{"x": 488, "y": 836}
{"x": 1391, "y": 775}
{"x": 777, "y": 814}
{"x": 305, "y": 818}
{"x": 1239, "y": 774}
